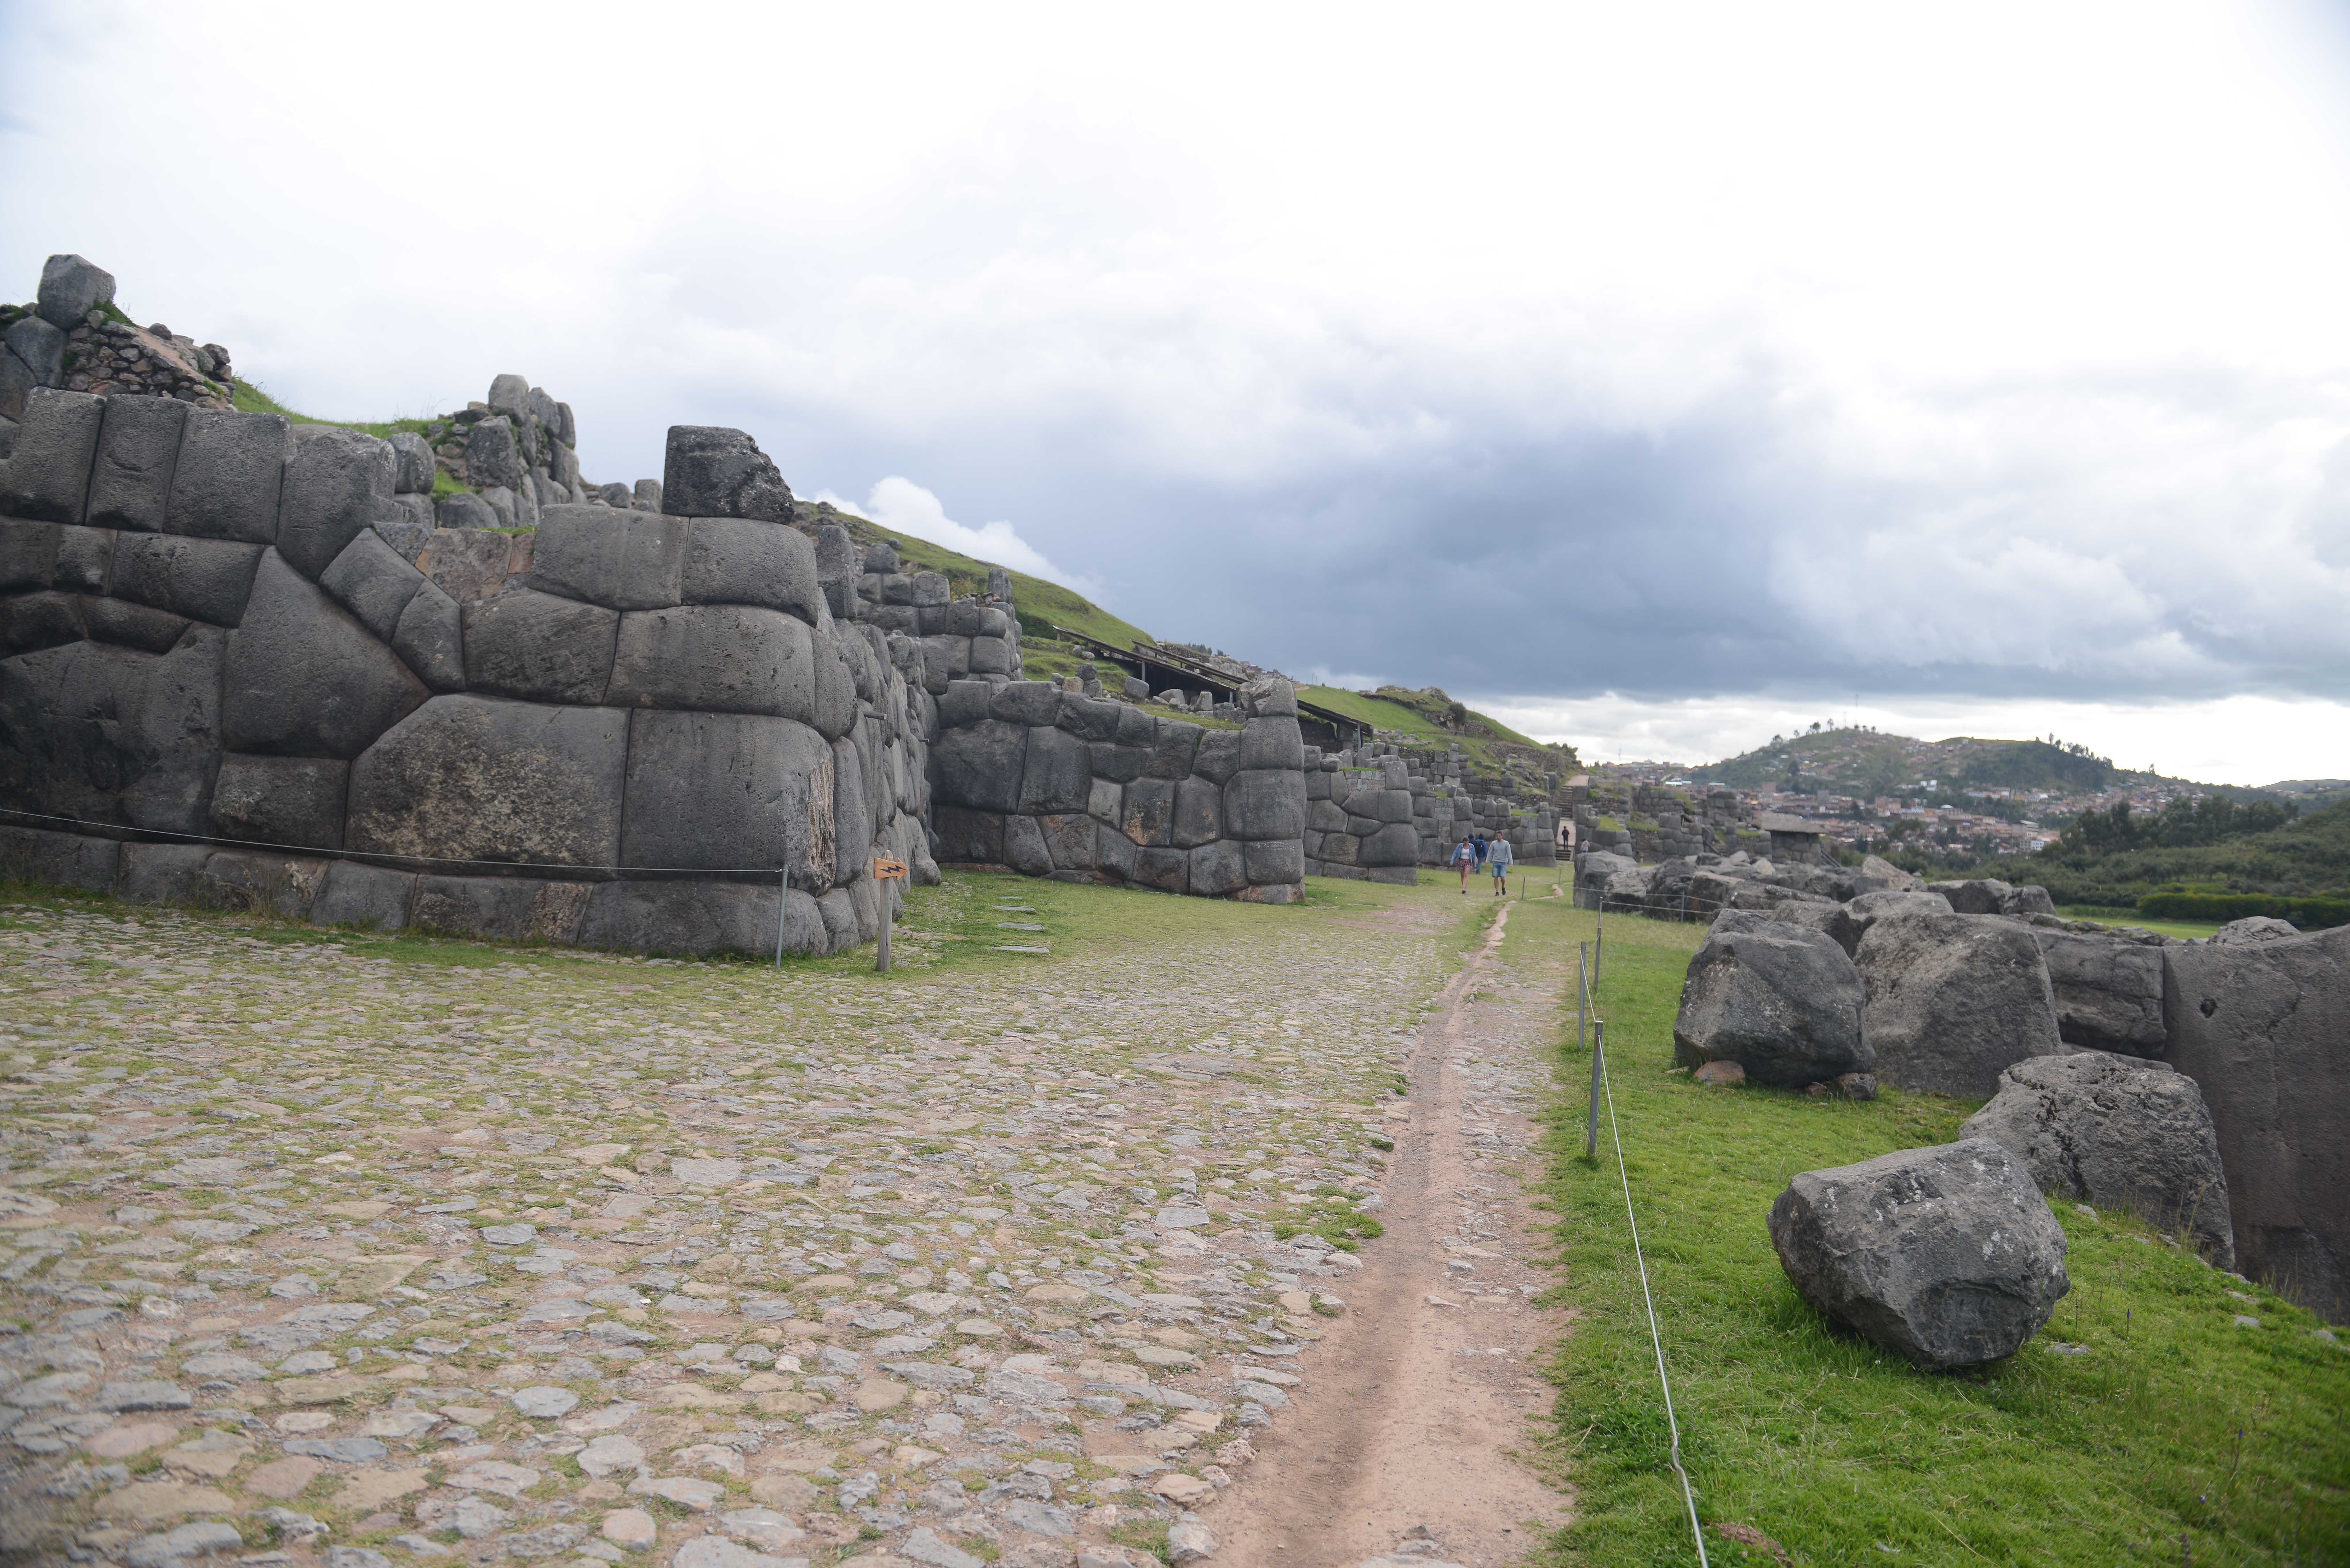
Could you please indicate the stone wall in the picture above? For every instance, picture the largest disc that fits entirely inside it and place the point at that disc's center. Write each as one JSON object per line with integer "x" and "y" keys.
{"x": 1054, "y": 784}
{"x": 211, "y": 635}
{"x": 69, "y": 337}
{"x": 1377, "y": 813}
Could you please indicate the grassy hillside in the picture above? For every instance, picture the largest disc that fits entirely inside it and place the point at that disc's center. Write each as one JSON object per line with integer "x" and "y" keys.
{"x": 1869, "y": 764}
{"x": 1433, "y": 716}
{"x": 2310, "y": 856}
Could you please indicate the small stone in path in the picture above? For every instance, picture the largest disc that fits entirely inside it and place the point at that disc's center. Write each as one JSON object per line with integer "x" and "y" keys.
{"x": 546, "y": 1402}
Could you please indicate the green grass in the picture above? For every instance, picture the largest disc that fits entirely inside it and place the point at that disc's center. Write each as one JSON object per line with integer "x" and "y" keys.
{"x": 253, "y": 399}
{"x": 2178, "y": 1437}
{"x": 2111, "y": 915}
{"x": 1386, "y": 713}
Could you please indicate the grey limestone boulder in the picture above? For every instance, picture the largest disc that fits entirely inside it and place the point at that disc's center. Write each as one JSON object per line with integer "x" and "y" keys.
{"x": 746, "y": 561}
{"x": 1783, "y": 1002}
{"x": 1219, "y": 756}
{"x": 1024, "y": 847}
{"x": 463, "y": 510}
{"x": 731, "y": 792}
{"x": 203, "y": 580}
{"x": 700, "y": 917}
{"x": 1954, "y": 999}
{"x": 226, "y": 481}
{"x": 2252, "y": 930}
{"x": 71, "y": 287}
{"x": 1147, "y": 811}
{"x": 2109, "y": 992}
{"x": 714, "y": 472}
{"x": 1947, "y": 1255}
{"x": 132, "y": 626}
{"x": 728, "y": 659}
{"x": 1268, "y": 696}
{"x": 336, "y": 482}
{"x": 414, "y": 455}
{"x": 2119, "y": 1133}
{"x": 1174, "y": 743}
{"x": 1071, "y": 840}
{"x": 1391, "y": 846}
{"x": 513, "y": 909}
{"x": 493, "y": 457}
{"x": 836, "y": 687}
{"x": 1025, "y": 702}
{"x": 112, "y": 734}
{"x": 305, "y": 679}
{"x": 1272, "y": 742}
{"x": 479, "y": 778}
{"x": 1055, "y": 775}
{"x": 40, "y": 348}
{"x": 1198, "y": 814}
{"x": 1219, "y": 869}
{"x": 1989, "y": 895}
{"x": 1271, "y": 862}
{"x": 68, "y": 859}
{"x": 510, "y": 396}
{"x": 281, "y": 800}
{"x": 47, "y": 477}
{"x": 429, "y": 639}
{"x": 980, "y": 765}
{"x": 539, "y": 648}
{"x": 2259, "y": 1027}
{"x": 1269, "y": 804}
{"x": 367, "y": 896}
{"x": 138, "y": 446}
{"x": 621, "y": 560}
{"x": 371, "y": 580}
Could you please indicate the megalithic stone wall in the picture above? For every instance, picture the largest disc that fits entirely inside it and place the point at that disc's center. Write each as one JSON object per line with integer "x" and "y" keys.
{"x": 1054, "y": 784}
{"x": 208, "y": 635}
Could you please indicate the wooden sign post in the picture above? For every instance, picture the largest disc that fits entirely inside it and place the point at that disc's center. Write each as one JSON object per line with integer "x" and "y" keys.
{"x": 885, "y": 870}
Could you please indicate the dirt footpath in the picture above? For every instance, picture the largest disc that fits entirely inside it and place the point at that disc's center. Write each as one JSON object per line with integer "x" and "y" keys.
{"x": 1427, "y": 1386}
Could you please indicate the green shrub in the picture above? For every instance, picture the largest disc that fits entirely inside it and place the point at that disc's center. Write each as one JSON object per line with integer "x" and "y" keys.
{"x": 2309, "y": 914}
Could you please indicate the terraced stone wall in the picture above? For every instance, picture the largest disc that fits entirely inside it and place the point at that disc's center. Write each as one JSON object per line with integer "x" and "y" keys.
{"x": 218, "y": 669}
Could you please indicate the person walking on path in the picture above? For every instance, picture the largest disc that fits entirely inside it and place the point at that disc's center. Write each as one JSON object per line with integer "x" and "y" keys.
{"x": 1500, "y": 856}
{"x": 1481, "y": 853}
{"x": 1464, "y": 856}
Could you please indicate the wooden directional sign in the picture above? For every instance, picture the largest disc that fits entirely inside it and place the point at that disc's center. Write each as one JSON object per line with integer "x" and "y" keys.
{"x": 884, "y": 868}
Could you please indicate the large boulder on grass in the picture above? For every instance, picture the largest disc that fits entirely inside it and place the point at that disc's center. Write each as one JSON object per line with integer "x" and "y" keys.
{"x": 2119, "y": 1133}
{"x": 1946, "y": 1255}
{"x": 1780, "y": 1001}
{"x": 1953, "y": 998}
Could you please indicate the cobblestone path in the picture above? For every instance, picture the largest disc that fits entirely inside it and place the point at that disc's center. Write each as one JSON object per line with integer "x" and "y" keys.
{"x": 367, "y": 1254}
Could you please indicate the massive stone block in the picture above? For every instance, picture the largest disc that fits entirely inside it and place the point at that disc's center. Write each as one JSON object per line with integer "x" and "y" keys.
{"x": 414, "y": 455}
{"x": 731, "y": 792}
{"x": 336, "y": 482}
{"x": 1219, "y": 756}
{"x": 1055, "y": 776}
{"x": 621, "y": 560}
{"x": 972, "y": 837}
{"x": 369, "y": 896}
{"x": 2109, "y": 992}
{"x": 701, "y": 918}
{"x": 1148, "y": 811}
{"x": 1070, "y": 841}
{"x": 1783, "y": 1002}
{"x": 47, "y": 476}
{"x": 981, "y": 765}
{"x": 493, "y": 456}
{"x": 515, "y": 909}
{"x": 714, "y": 472}
{"x": 539, "y": 648}
{"x": 1953, "y": 998}
{"x": 1199, "y": 816}
{"x": 2259, "y": 1027}
{"x": 226, "y": 483}
{"x": 1169, "y": 870}
{"x": 479, "y": 778}
{"x": 2122, "y": 1133}
{"x": 742, "y": 561}
{"x": 1269, "y": 804}
{"x": 1025, "y": 702}
{"x": 111, "y": 735}
{"x": 209, "y": 580}
{"x": 1218, "y": 869}
{"x": 429, "y": 639}
{"x": 852, "y": 815}
{"x": 1276, "y": 861}
{"x": 305, "y": 679}
{"x": 30, "y": 621}
{"x": 1947, "y": 1255}
{"x": 1024, "y": 847}
{"x": 281, "y": 801}
{"x": 66, "y": 859}
{"x": 836, "y": 687}
{"x": 138, "y": 447}
{"x": 1393, "y": 844}
{"x": 1172, "y": 748}
{"x": 371, "y": 580}
{"x": 727, "y": 658}
{"x": 71, "y": 287}
{"x": 1273, "y": 743}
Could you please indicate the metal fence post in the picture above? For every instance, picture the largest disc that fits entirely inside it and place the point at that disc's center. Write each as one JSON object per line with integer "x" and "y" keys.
{"x": 1591, "y": 1128}
{"x": 783, "y": 903}
{"x": 1582, "y": 990}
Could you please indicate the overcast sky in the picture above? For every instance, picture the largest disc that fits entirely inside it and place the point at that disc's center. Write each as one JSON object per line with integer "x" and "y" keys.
{"x": 1660, "y": 375}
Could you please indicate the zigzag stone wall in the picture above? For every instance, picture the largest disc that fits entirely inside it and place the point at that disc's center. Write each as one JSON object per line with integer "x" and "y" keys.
{"x": 634, "y": 744}
{"x": 1056, "y": 784}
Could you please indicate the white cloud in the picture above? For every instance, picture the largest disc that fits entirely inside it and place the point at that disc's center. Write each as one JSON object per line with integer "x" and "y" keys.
{"x": 898, "y": 505}
{"x": 2246, "y": 741}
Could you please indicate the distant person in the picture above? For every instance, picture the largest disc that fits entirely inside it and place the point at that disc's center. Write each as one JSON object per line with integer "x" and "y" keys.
{"x": 1500, "y": 855}
{"x": 1482, "y": 847}
{"x": 1464, "y": 856}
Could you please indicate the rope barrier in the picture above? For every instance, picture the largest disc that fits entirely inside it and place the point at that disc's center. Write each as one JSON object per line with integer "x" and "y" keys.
{"x": 374, "y": 854}
{"x": 1656, "y": 1337}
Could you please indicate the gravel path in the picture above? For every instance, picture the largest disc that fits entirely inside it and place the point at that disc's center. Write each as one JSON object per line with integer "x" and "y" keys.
{"x": 350, "y": 1253}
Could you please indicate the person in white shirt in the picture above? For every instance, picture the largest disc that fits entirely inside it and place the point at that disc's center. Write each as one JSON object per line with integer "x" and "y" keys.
{"x": 1464, "y": 855}
{"x": 1498, "y": 857}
